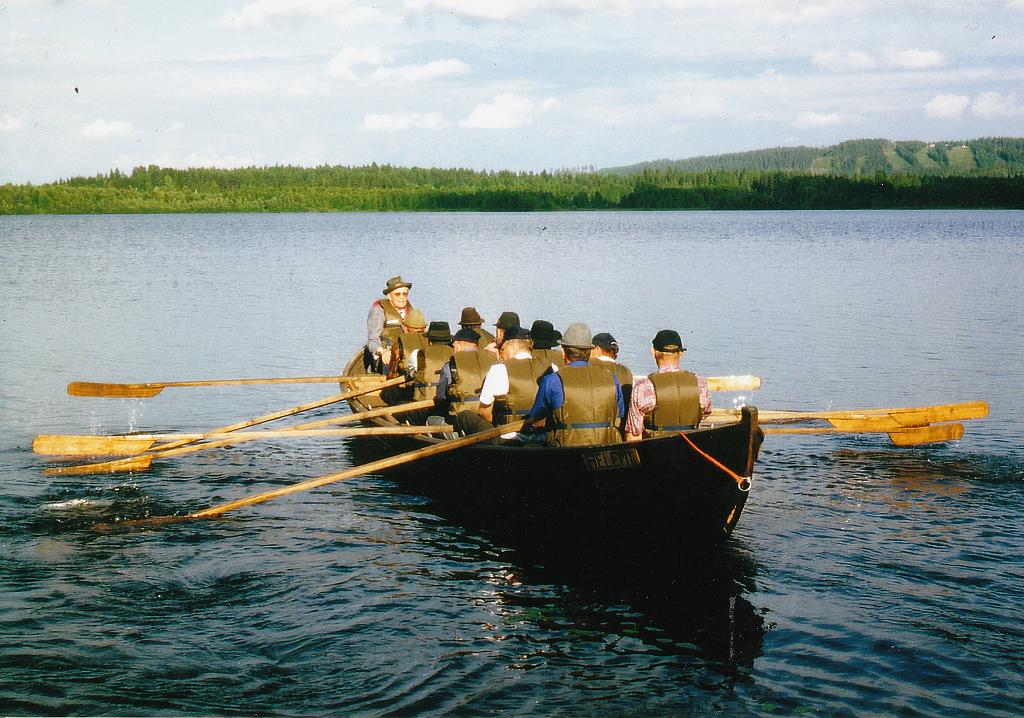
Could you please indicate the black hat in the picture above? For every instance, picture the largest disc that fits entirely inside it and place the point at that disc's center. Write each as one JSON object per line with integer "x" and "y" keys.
{"x": 439, "y": 333}
{"x": 466, "y": 335}
{"x": 606, "y": 341}
{"x": 507, "y": 319}
{"x": 544, "y": 335}
{"x": 667, "y": 340}
{"x": 470, "y": 317}
{"x": 516, "y": 333}
{"x": 395, "y": 283}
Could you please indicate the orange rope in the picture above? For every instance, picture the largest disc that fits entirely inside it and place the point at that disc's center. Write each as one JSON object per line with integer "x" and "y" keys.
{"x": 742, "y": 481}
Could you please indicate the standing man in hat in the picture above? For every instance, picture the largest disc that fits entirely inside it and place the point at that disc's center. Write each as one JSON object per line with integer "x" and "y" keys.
{"x": 580, "y": 403}
{"x": 385, "y": 322}
{"x": 471, "y": 319}
{"x": 670, "y": 400}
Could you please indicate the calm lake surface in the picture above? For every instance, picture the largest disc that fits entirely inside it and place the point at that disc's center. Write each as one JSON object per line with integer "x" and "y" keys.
{"x": 863, "y": 579}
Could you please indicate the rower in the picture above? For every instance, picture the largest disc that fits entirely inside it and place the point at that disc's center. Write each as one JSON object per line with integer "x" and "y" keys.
{"x": 669, "y": 400}
{"x": 471, "y": 319}
{"x": 545, "y": 342}
{"x": 506, "y": 320}
{"x": 509, "y": 387}
{"x": 462, "y": 376}
{"x": 410, "y": 341}
{"x": 579, "y": 404}
{"x": 384, "y": 323}
{"x": 605, "y": 354}
{"x": 431, "y": 359}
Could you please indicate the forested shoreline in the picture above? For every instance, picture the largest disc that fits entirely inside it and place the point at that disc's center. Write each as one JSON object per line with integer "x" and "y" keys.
{"x": 375, "y": 188}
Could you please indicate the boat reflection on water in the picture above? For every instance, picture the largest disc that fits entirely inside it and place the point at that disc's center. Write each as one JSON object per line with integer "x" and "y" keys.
{"x": 689, "y": 604}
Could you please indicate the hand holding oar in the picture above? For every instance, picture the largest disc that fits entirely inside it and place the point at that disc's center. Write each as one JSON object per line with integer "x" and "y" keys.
{"x": 150, "y": 389}
{"x": 129, "y": 444}
{"x": 142, "y": 462}
{"x": 378, "y": 465}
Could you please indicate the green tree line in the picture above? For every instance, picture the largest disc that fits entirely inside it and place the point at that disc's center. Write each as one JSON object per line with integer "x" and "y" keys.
{"x": 385, "y": 188}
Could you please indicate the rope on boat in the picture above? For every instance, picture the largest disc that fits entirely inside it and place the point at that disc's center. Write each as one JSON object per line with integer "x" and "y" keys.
{"x": 743, "y": 482}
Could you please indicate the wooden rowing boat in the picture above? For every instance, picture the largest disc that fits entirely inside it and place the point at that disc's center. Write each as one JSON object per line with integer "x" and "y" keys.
{"x": 662, "y": 493}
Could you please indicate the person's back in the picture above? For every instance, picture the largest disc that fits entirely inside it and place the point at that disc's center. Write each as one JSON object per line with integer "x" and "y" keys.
{"x": 431, "y": 359}
{"x": 677, "y": 405}
{"x": 523, "y": 375}
{"x": 580, "y": 404}
{"x": 468, "y": 371}
{"x": 590, "y": 413}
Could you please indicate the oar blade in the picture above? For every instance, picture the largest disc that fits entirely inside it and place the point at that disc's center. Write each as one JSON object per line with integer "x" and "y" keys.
{"x": 745, "y": 382}
{"x": 945, "y": 412}
{"x": 79, "y": 445}
{"x": 120, "y": 391}
{"x": 141, "y": 463}
{"x": 927, "y": 434}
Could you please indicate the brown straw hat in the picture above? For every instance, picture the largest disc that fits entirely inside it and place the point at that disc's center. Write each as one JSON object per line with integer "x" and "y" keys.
{"x": 470, "y": 317}
{"x": 396, "y": 283}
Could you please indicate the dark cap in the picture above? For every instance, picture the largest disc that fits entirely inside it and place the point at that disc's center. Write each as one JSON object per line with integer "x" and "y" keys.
{"x": 516, "y": 333}
{"x": 667, "y": 340}
{"x": 507, "y": 319}
{"x": 544, "y": 335}
{"x": 606, "y": 341}
{"x": 466, "y": 335}
{"x": 470, "y": 317}
{"x": 396, "y": 283}
{"x": 439, "y": 333}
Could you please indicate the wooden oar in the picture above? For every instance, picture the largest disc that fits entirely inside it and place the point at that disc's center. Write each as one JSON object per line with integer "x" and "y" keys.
{"x": 128, "y": 444}
{"x": 908, "y": 436}
{"x": 240, "y": 437}
{"x": 898, "y": 416}
{"x": 140, "y": 462}
{"x": 149, "y": 389}
{"x": 745, "y": 382}
{"x": 379, "y": 465}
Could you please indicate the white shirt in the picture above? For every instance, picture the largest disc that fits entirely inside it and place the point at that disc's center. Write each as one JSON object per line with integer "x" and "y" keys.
{"x": 496, "y": 381}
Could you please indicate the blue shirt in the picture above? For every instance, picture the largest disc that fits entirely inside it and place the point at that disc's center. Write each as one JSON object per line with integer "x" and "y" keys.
{"x": 551, "y": 395}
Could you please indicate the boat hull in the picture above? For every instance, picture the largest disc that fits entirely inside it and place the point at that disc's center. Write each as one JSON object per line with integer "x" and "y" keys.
{"x": 661, "y": 493}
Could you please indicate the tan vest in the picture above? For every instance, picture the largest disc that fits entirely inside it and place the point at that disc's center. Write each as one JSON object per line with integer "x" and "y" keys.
{"x": 523, "y": 375}
{"x": 393, "y": 325}
{"x": 554, "y": 356}
{"x": 428, "y": 366}
{"x": 468, "y": 372}
{"x": 678, "y": 403}
{"x": 590, "y": 414}
{"x": 409, "y": 342}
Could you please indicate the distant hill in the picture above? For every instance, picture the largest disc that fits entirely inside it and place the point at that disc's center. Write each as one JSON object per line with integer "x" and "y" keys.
{"x": 993, "y": 156}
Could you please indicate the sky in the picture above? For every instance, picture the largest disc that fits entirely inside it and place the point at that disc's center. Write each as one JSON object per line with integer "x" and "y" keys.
{"x": 87, "y": 86}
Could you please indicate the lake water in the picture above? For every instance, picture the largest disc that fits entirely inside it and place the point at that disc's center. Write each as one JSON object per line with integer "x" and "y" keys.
{"x": 862, "y": 579}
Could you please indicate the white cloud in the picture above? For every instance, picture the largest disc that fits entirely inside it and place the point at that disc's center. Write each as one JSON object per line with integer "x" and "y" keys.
{"x": 343, "y": 65}
{"x": 342, "y": 13}
{"x": 103, "y": 130}
{"x": 202, "y": 158}
{"x": 507, "y": 112}
{"x": 988, "y": 105}
{"x": 420, "y": 73}
{"x": 947, "y": 106}
{"x": 915, "y": 59}
{"x": 817, "y": 119}
{"x": 839, "y": 61}
{"x": 9, "y": 123}
{"x": 398, "y": 121}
